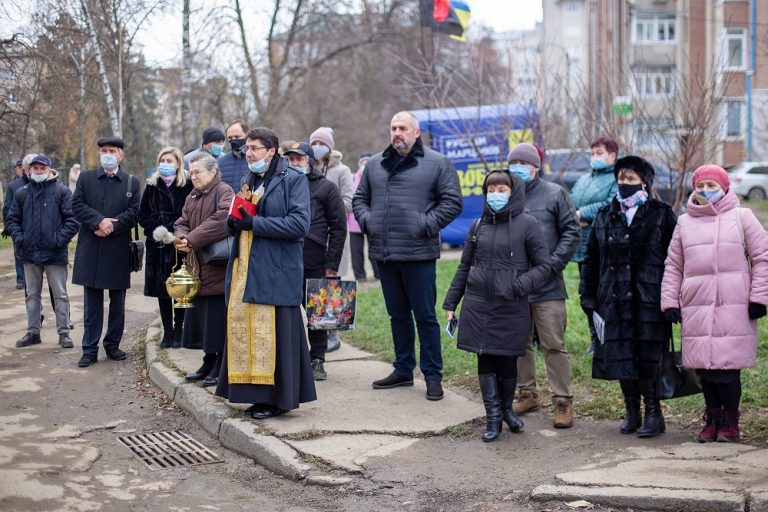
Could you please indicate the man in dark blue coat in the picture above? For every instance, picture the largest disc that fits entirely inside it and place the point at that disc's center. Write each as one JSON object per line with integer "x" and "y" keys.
{"x": 42, "y": 224}
{"x": 106, "y": 203}
{"x": 21, "y": 179}
{"x": 233, "y": 166}
{"x": 406, "y": 196}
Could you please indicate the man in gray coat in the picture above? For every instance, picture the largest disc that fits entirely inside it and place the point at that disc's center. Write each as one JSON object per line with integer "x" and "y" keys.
{"x": 106, "y": 202}
{"x": 407, "y": 194}
{"x": 550, "y": 204}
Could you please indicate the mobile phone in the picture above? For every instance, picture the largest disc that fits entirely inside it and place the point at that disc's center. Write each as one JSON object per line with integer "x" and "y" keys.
{"x": 453, "y": 323}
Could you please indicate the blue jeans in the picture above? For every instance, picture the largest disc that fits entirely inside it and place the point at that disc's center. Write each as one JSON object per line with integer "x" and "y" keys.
{"x": 19, "y": 265}
{"x": 94, "y": 319}
{"x": 410, "y": 292}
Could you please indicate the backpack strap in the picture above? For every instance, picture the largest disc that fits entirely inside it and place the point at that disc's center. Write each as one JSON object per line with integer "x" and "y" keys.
{"x": 743, "y": 238}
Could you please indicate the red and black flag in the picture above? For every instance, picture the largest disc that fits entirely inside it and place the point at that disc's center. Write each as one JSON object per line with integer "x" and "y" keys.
{"x": 445, "y": 16}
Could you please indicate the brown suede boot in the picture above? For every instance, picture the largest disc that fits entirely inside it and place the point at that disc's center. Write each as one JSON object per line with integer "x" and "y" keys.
{"x": 563, "y": 413}
{"x": 526, "y": 402}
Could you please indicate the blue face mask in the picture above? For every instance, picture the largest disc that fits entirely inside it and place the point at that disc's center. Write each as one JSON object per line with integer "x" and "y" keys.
{"x": 521, "y": 170}
{"x": 166, "y": 170}
{"x": 320, "y": 151}
{"x": 216, "y": 149}
{"x": 108, "y": 160}
{"x": 259, "y": 167}
{"x": 710, "y": 196}
{"x": 597, "y": 163}
{"x": 497, "y": 200}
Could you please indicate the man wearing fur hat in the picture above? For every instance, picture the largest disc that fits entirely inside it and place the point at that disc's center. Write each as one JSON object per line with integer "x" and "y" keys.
{"x": 550, "y": 204}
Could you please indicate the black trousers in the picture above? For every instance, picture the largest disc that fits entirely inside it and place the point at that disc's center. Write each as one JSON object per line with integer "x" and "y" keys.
{"x": 94, "y": 319}
{"x": 357, "y": 248}
{"x": 318, "y": 340}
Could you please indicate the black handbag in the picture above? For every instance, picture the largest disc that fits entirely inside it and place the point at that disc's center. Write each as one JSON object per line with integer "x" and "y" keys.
{"x": 217, "y": 253}
{"x": 135, "y": 246}
{"x": 675, "y": 380}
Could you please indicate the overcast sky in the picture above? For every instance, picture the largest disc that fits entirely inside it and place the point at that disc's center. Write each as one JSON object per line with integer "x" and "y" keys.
{"x": 163, "y": 34}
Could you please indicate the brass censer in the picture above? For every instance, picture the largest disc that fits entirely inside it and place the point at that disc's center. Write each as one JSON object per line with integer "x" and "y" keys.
{"x": 182, "y": 286}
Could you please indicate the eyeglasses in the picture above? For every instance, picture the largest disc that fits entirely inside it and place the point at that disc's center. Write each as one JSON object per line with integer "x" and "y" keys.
{"x": 254, "y": 148}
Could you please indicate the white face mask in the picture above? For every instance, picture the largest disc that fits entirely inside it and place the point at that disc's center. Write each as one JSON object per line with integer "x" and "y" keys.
{"x": 38, "y": 178}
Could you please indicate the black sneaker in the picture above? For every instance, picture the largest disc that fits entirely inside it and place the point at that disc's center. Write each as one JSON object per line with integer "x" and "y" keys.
{"x": 434, "y": 390}
{"x": 65, "y": 341}
{"x": 392, "y": 381}
{"x": 115, "y": 354}
{"x": 86, "y": 361}
{"x": 31, "y": 338}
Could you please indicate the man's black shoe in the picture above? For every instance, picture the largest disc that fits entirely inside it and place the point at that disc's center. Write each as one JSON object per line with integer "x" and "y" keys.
{"x": 86, "y": 361}
{"x": 392, "y": 381}
{"x": 31, "y": 338}
{"x": 115, "y": 354}
{"x": 434, "y": 390}
{"x": 65, "y": 341}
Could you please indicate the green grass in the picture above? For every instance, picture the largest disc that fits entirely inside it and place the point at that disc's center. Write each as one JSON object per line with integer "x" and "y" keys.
{"x": 596, "y": 398}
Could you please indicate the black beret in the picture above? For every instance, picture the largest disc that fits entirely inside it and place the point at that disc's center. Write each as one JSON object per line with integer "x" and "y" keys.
{"x": 111, "y": 141}
{"x": 641, "y": 166}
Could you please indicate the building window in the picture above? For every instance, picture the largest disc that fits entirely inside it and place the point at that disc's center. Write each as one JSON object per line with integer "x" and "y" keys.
{"x": 734, "y": 49}
{"x": 655, "y": 81}
{"x": 732, "y": 116}
{"x": 655, "y": 133}
{"x": 654, "y": 29}
{"x": 572, "y": 6}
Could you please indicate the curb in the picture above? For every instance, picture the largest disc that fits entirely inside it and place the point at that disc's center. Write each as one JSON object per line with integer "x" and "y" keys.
{"x": 647, "y": 498}
{"x": 214, "y": 416}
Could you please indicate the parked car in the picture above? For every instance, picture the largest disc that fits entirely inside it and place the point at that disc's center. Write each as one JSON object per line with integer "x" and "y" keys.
{"x": 750, "y": 180}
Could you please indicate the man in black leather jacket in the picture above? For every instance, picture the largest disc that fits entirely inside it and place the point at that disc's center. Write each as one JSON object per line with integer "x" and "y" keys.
{"x": 550, "y": 204}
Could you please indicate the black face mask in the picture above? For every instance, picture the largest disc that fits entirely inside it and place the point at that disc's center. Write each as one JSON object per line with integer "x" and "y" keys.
{"x": 237, "y": 144}
{"x": 626, "y": 190}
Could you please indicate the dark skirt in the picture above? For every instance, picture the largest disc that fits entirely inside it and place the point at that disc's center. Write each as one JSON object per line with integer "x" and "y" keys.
{"x": 205, "y": 325}
{"x": 719, "y": 376}
{"x": 293, "y": 371}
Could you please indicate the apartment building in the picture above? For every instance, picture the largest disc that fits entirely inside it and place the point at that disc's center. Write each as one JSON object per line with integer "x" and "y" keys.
{"x": 663, "y": 56}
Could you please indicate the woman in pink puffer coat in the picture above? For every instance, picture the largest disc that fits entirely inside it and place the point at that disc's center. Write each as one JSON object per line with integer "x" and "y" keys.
{"x": 708, "y": 279}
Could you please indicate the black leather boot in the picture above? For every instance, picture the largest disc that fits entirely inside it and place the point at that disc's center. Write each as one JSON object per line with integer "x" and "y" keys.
{"x": 633, "y": 418}
{"x": 507, "y": 389}
{"x": 203, "y": 371}
{"x": 489, "y": 388}
{"x": 653, "y": 423}
{"x": 213, "y": 376}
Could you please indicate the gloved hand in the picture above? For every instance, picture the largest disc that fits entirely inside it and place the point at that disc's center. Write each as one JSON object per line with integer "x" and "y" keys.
{"x": 673, "y": 315}
{"x": 246, "y": 223}
{"x": 756, "y": 311}
{"x": 231, "y": 223}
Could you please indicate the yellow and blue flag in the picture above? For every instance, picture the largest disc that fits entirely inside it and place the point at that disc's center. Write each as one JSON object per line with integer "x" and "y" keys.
{"x": 446, "y": 16}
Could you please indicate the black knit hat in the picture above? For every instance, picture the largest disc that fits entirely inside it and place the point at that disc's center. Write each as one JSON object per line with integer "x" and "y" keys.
{"x": 641, "y": 166}
{"x": 213, "y": 134}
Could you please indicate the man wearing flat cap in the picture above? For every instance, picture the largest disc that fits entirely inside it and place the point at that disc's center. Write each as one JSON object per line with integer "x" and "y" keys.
{"x": 106, "y": 202}
{"x": 213, "y": 144}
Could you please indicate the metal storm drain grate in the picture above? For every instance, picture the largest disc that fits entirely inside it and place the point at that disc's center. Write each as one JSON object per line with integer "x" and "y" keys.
{"x": 173, "y": 449}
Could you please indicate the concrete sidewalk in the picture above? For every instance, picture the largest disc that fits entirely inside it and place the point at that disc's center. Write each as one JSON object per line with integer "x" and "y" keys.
{"x": 353, "y": 430}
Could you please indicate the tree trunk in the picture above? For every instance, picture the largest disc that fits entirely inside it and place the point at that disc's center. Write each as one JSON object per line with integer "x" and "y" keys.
{"x": 114, "y": 121}
{"x": 186, "y": 79}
